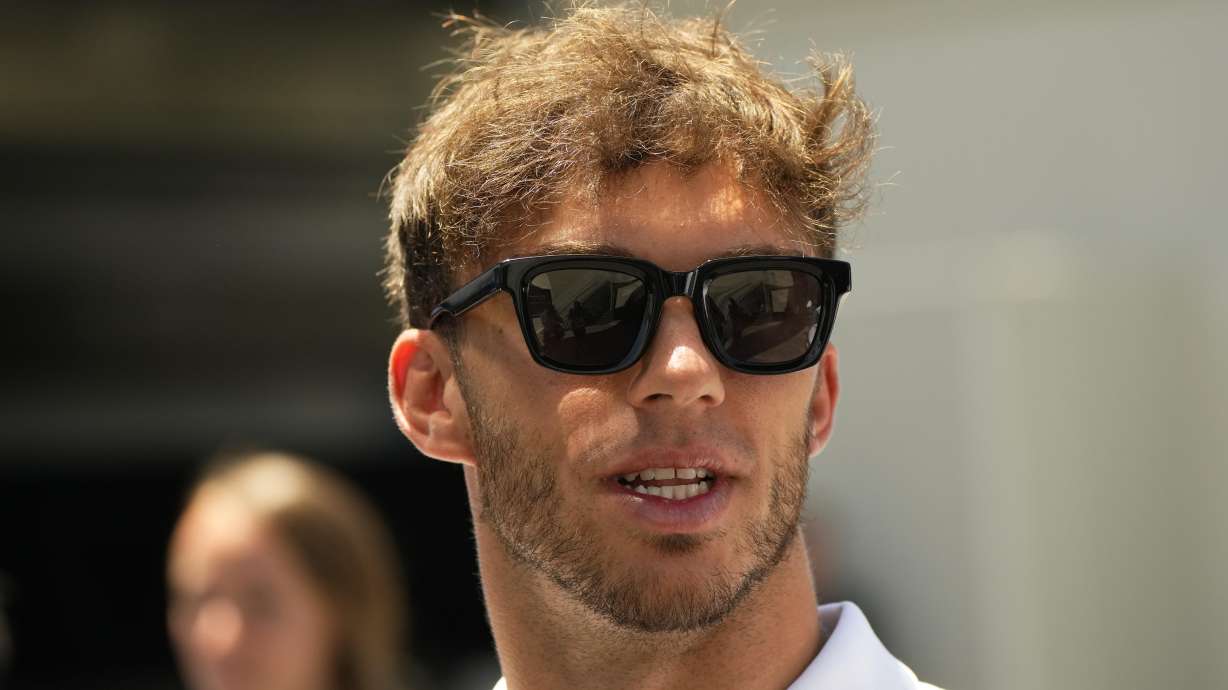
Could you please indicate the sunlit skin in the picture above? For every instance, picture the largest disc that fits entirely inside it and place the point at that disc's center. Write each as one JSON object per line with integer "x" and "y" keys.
{"x": 243, "y": 614}
{"x": 678, "y": 398}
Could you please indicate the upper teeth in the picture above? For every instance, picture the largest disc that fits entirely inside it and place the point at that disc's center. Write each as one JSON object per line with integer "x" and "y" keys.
{"x": 674, "y": 491}
{"x": 668, "y": 473}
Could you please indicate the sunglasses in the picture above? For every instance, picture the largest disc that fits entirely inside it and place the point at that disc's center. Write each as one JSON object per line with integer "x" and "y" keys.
{"x": 587, "y": 314}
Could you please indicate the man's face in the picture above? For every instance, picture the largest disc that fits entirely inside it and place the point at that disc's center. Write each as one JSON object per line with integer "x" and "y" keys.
{"x": 550, "y": 448}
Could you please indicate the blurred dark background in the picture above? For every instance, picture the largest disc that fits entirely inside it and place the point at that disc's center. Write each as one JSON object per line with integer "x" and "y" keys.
{"x": 191, "y": 236}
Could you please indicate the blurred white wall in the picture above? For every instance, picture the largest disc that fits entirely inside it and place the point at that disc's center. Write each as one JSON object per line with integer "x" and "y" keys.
{"x": 1028, "y": 480}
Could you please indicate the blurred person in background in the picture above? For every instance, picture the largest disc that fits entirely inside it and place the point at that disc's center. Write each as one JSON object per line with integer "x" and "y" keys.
{"x": 636, "y": 473}
{"x": 282, "y": 577}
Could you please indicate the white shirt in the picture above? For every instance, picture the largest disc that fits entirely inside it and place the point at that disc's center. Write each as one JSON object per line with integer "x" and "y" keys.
{"x": 852, "y": 658}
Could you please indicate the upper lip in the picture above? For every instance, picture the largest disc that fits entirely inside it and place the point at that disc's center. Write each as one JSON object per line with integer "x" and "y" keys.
{"x": 705, "y": 457}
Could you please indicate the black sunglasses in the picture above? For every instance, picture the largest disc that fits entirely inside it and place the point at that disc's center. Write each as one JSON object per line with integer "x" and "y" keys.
{"x": 587, "y": 314}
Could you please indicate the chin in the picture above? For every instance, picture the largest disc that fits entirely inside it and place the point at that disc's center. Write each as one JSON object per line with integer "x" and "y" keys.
{"x": 676, "y": 587}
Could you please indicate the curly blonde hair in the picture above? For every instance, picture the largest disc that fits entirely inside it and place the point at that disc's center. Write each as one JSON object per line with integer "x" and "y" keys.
{"x": 530, "y": 116}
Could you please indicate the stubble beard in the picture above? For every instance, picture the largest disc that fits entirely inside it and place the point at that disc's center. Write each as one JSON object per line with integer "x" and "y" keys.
{"x": 521, "y": 503}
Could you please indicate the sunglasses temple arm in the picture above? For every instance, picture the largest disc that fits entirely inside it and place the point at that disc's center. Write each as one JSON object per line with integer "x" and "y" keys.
{"x": 470, "y": 295}
{"x": 843, "y": 278}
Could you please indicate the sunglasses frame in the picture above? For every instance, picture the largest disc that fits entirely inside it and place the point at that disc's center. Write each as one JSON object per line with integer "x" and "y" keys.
{"x": 514, "y": 276}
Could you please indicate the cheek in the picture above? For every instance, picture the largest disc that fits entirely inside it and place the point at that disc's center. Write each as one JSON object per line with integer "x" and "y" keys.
{"x": 310, "y": 627}
{"x": 298, "y": 646}
{"x": 770, "y": 409}
{"x": 596, "y": 421}
{"x": 294, "y": 621}
{"x": 494, "y": 339}
{"x": 580, "y": 414}
{"x": 496, "y": 353}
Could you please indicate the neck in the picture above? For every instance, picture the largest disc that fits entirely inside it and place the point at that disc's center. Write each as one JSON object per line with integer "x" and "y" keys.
{"x": 545, "y": 640}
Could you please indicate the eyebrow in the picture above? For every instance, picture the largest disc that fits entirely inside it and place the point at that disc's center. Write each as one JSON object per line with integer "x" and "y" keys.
{"x": 605, "y": 249}
{"x": 581, "y": 247}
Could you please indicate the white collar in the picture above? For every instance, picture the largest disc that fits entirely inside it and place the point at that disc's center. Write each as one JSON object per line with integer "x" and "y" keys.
{"x": 852, "y": 658}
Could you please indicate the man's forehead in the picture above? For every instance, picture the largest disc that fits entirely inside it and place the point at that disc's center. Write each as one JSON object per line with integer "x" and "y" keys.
{"x": 663, "y": 215}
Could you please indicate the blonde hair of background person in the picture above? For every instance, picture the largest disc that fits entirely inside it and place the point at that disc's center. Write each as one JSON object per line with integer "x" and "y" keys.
{"x": 636, "y": 484}
{"x": 281, "y": 575}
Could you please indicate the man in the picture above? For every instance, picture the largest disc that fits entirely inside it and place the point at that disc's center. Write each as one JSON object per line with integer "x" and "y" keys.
{"x": 610, "y": 248}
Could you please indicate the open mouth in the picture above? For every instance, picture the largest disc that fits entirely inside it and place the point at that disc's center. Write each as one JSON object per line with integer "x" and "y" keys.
{"x": 674, "y": 483}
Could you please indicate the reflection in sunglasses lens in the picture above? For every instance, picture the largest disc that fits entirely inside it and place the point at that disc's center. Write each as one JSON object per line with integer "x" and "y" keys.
{"x": 585, "y": 317}
{"x": 764, "y": 316}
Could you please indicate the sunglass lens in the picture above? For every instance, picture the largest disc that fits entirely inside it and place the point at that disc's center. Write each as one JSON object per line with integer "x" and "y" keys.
{"x": 764, "y": 316}
{"x": 584, "y": 317}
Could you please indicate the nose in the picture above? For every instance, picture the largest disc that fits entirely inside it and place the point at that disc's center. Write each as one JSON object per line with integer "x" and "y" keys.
{"x": 218, "y": 629}
{"x": 677, "y": 369}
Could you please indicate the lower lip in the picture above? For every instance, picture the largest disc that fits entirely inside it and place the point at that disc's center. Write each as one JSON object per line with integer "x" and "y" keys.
{"x": 673, "y": 516}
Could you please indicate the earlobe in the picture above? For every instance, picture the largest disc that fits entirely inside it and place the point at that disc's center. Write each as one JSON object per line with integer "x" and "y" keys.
{"x": 425, "y": 397}
{"x": 823, "y": 401}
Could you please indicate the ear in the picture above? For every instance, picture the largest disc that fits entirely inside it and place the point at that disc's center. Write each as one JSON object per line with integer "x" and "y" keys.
{"x": 823, "y": 401}
{"x": 426, "y": 397}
